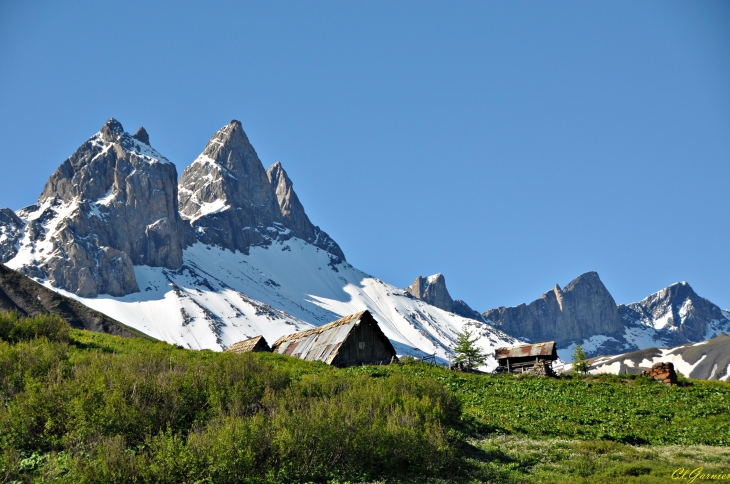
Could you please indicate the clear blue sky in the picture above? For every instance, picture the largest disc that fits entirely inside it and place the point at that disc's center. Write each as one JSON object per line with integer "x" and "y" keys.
{"x": 508, "y": 145}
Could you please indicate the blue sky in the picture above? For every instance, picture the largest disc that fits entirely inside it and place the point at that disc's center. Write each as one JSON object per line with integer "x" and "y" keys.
{"x": 508, "y": 145}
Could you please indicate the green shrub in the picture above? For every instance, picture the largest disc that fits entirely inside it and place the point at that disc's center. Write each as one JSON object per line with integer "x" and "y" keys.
{"x": 14, "y": 328}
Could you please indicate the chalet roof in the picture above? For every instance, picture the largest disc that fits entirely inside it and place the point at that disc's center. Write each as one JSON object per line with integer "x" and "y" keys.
{"x": 247, "y": 345}
{"x": 323, "y": 343}
{"x": 547, "y": 349}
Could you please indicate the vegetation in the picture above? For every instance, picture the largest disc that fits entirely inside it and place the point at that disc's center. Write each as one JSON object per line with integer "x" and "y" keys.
{"x": 466, "y": 350}
{"x": 580, "y": 360}
{"x": 79, "y": 407}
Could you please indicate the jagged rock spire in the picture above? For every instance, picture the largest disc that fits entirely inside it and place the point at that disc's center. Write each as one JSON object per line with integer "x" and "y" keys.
{"x": 293, "y": 215}
{"x": 142, "y": 135}
{"x": 234, "y": 203}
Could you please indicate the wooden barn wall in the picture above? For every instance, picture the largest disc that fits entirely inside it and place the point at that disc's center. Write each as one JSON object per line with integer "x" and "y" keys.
{"x": 375, "y": 349}
{"x": 523, "y": 359}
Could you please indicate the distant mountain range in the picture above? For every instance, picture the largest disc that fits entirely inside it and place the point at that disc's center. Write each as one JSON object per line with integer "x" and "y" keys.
{"x": 585, "y": 313}
{"x": 228, "y": 252}
{"x": 706, "y": 360}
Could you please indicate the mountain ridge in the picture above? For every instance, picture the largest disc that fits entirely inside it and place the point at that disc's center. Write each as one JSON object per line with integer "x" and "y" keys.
{"x": 672, "y": 316}
{"x": 227, "y": 251}
{"x": 248, "y": 260}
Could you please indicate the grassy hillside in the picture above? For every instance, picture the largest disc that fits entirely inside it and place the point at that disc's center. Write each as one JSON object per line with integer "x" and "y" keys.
{"x": 79, "y": 406}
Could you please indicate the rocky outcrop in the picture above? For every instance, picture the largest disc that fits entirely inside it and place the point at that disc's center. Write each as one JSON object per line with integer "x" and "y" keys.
{"x": 662, "y": 372}
{"x": 432, "y": 290}
{"x": 583, "y": 309}
{"x": 111, "y": 205}
{"x": 26, "y": 297}
{"x": 11, "y": 231}
{"x": 678, "y": 313}
{"x": 232, "y": 202}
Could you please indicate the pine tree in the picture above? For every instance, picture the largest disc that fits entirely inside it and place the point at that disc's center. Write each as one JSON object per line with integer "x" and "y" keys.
{"x": 467, "y": 351}
{"x": 580, "y": 360}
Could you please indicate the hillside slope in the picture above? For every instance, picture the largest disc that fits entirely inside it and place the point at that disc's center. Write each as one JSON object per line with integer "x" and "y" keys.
{"x": 23, "y": 295}
{"x": 707, "y": 360}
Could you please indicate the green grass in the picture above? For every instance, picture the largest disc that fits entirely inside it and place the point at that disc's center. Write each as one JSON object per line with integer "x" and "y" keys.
{"x": 77, "y": 406}
{"x": 627, "y": 409}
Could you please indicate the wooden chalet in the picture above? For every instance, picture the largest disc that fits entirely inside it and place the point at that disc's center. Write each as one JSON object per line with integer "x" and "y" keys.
{"x": 519, "y": 359}
{"x": 353, "y": 340}
{"x": 255, "y": 344}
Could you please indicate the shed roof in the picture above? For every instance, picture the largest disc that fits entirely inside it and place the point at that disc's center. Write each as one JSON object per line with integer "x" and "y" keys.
{"x": 324, "y": 342}
{"x": 248, "y": 345}
{"x": 538, "y": 349}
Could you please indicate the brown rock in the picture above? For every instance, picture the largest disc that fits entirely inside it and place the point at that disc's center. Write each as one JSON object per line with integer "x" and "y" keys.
{"x": 662, "y": 372}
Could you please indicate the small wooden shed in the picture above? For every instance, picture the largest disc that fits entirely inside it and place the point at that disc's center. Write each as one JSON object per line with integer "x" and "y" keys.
{"x": 518, "y": 359}
{"x": 352, "y": 340}
{"x": 255, "y": 344}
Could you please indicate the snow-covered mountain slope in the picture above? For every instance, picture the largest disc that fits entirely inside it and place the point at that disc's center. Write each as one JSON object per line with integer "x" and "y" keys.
{"x": 233, "y": 257}
{"x": 219, "y": 297}
{"x": 706, "y": 360}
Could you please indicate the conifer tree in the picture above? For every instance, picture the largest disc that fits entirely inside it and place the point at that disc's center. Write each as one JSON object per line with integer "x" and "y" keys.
{"x": 467, "y": 351}
{"x": 580, "y": 360}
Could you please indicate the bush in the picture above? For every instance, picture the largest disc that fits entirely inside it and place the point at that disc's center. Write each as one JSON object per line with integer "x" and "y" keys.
{"x": 14, "y": 328}
{"x": 154, "y": 412}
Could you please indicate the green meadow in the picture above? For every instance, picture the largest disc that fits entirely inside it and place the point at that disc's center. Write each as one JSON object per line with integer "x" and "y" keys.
{"x": 84, "y": 407}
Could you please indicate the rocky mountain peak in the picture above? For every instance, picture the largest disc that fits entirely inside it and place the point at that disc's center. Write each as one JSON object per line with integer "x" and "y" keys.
{"x": 582, "y": 309}
{"x": 432, "y": 290}
{"x": 230, "y": 148}
{"x": 679, "y": 313}
{"x": 141, "y": 135}
{"x": 234, "y": 203}
{"x": 112, "y": 130}
{"x": 111, "y": 205}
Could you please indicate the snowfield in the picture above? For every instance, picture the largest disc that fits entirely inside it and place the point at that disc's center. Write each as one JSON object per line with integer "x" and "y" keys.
{"x": 219, "y": 297}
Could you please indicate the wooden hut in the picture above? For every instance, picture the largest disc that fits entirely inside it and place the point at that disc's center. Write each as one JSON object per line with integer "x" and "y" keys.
{"x": 353, "y": 340}
{"x": 519, "y": 359}
{"x": 255, "y": 344}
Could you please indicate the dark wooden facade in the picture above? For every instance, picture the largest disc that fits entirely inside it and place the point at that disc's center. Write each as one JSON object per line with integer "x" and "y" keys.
{"x": 352, "y": 340}
{"x": 518, "y": 359}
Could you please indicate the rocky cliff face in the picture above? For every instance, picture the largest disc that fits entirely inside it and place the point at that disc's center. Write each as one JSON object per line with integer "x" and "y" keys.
{"x": 678, "y": 313}
{"x": 583, "y": 309}
{"x": 11, "y": 231}
{"x": 292, "y": 212}
{"x": 109, "y": 206}
{"x": 234, "y": 203}
{"x": 432, "y": 290}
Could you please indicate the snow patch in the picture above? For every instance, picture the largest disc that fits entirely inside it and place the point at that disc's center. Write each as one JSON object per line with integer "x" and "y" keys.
{"x": 589, "y": 345}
